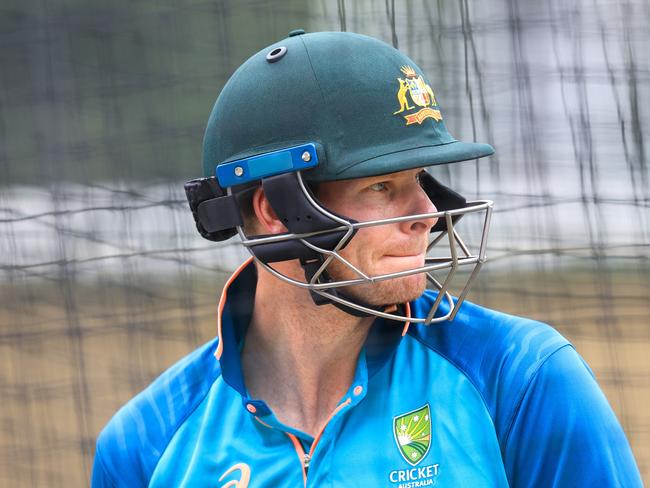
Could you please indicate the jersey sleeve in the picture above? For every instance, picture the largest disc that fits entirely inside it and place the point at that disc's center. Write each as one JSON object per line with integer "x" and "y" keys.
{"x": 100, "y": 476}
{"x": 564, "y": 432}
{"x": 130, "y": 445}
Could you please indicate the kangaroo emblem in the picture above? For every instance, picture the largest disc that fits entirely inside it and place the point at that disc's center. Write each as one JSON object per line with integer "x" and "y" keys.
{"x": 401, "y": 96}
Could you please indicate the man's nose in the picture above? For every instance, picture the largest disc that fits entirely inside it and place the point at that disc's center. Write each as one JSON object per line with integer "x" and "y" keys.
{"x": 420, "y": 203}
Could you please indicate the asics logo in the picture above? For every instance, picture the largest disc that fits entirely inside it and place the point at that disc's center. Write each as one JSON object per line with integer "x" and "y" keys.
{"x": 244, "y": 476}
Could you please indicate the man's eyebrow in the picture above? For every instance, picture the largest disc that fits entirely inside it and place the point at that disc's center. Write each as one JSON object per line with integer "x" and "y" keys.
{"x": 389, "y": 176}
{"x": 386, "y": 177}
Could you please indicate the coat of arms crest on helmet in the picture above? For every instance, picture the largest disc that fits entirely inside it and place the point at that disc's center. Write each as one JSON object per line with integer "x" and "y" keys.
{"x": 420, "y": 94}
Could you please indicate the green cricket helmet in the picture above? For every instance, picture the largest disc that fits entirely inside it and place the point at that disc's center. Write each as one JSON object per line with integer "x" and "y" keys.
{"x": 322, "y": 107}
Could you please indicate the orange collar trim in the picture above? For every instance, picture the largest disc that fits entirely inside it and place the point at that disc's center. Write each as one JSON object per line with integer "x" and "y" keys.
{"x": 222, "y": 303}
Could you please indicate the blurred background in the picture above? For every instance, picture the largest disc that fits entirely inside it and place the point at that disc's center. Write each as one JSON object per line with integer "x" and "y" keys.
{"x": 104, "y": 281}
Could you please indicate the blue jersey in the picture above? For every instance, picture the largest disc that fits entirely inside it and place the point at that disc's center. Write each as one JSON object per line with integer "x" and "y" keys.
{"x": 487, "y": 400}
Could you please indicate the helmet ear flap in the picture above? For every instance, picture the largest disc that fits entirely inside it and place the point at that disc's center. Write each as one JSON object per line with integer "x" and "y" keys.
{"x": 215, "y": 213}
{"x": 443, "y": 198}
{"x": 299, "y": 215}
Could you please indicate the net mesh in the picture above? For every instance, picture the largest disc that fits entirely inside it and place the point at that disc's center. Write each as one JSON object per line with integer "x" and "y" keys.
{"x": 104, "y": 282}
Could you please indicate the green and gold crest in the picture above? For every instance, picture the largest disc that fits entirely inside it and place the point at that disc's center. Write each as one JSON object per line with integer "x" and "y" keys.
{"x": 412, "y": 433}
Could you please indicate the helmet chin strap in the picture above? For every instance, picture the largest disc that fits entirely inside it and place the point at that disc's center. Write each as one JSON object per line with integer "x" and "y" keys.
{"x": 310, "y": 267}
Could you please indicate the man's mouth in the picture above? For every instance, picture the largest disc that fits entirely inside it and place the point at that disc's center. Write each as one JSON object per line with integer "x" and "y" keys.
{"x": 407, "y": 253}
{"x": 409, "y": 260}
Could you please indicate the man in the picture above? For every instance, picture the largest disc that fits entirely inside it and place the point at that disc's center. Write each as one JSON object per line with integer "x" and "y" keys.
{"x": 333, "y": 365}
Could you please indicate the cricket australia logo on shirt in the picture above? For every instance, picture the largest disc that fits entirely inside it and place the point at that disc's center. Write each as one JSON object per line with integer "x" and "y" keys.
{"x": 412, "y": 432}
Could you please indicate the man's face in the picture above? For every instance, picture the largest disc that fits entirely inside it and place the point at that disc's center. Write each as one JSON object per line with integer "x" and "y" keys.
{"x": 382, "y": 249}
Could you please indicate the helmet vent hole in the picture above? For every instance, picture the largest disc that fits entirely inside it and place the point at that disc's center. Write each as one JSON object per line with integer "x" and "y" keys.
{"x": 308, "y": 217}
{"x": 285, "y": 220}
{"x": 276, "y": 54}
{"x": 297, "y": 219}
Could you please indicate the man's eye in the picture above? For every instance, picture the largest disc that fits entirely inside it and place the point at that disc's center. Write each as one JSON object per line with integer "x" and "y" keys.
{"x": 378, "y": 187}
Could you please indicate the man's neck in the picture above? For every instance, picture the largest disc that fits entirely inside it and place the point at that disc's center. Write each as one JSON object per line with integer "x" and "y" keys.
{"x": 298, "y": 357}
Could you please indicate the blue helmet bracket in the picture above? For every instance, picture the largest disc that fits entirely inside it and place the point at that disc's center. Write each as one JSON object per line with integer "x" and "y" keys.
{"x": 272, "y": 163}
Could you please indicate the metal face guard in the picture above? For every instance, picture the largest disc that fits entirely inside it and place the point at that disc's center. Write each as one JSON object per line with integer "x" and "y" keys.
{"x": 459, "y": 255}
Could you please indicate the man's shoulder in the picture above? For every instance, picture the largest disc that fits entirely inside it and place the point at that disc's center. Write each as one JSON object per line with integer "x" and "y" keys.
{"x": 130, "y": 445}
{"x": 478, "y": 329}
{"x": 499, "y": 353}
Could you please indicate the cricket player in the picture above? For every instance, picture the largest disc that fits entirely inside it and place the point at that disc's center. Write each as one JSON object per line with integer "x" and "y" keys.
{"x": 342, "y": 358}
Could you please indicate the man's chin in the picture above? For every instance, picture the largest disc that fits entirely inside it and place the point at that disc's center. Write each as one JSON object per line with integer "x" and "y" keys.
{"x": 389, "y": 292}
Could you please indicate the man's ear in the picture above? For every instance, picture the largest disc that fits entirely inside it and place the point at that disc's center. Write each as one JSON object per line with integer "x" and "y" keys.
{"x": 265, "y": 214}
